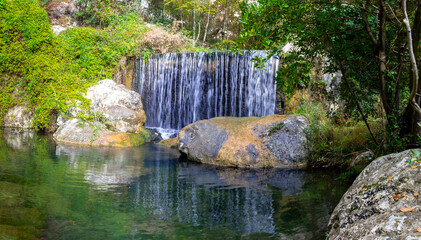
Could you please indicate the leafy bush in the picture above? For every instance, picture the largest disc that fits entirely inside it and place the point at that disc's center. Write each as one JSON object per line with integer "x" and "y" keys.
{"x": 334, "y": 144}
{"x": 49, "y": 73}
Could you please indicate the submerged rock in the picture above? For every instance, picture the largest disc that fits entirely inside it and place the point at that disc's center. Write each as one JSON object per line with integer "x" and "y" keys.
{"x": 18, "y": 117}
{"x": 270, "y": 141}
{"x": 123, "y": 124}
{"x": 382, "y": 203}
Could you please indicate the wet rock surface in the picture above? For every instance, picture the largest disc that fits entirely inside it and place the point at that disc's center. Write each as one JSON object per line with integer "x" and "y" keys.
{"x": 382, "y": 203}
{"x": 270, "y": 141}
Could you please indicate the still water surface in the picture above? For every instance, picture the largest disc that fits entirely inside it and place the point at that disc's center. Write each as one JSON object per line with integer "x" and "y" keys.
{"x": 72, "y": 192}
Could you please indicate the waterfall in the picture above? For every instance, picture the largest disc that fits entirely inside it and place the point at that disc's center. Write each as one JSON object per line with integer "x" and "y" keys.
{"x": 180, "y": 88}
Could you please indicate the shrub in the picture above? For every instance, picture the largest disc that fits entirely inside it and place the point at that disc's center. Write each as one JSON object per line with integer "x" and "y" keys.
{"x": 49, "y": 73}
{"x": 333, "y": 144}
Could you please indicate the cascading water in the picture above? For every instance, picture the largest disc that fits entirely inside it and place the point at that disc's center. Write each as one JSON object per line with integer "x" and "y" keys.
{"x": 180, "y": 88}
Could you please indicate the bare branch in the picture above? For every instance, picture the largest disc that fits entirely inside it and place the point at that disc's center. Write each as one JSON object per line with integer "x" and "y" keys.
{"x": 367, "y": 27}
{"x": 414, "y": 67}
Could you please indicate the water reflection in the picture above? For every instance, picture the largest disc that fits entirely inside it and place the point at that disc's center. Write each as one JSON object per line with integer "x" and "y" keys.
{"x": 17, "y": 139}
{"x": 167, "y": 189}
{"x": 148, "y": 193}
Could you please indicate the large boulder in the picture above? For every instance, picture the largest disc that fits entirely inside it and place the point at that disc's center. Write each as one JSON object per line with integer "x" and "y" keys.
{"x": 122, "y": 107}
{"x": 382, "y": 203}
{"x": 18, "y": 117}
{"x": 119, "y": 115}
{"x": 270, "y": 141}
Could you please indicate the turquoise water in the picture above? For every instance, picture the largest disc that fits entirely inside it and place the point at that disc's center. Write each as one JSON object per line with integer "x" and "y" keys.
{"x": 54, "y": 191}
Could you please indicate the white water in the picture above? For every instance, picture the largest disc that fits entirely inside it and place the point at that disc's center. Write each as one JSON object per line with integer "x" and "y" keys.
{"x": 180, "y": 88}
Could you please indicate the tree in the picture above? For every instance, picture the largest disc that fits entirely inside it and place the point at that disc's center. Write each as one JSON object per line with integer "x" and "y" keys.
{"x": 365, "y": 40}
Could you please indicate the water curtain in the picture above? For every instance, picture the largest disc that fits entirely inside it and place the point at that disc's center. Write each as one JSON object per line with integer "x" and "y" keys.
{"x": 180, "y": 88}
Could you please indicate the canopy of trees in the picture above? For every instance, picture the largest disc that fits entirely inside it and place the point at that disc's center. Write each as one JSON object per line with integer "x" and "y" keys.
{"x": 374, "y": 44}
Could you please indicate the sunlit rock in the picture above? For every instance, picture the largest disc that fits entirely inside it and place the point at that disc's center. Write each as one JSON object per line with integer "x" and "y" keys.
{"x": 119, "y": 119}
{"x": 170, "y": 142}
{"x": 18, "y": 117}
{"x": 270, "y": 141}
{"x": 61, "y": 14}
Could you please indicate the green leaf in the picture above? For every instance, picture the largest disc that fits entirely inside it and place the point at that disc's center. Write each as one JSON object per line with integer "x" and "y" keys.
{"x": 415, "y": 152}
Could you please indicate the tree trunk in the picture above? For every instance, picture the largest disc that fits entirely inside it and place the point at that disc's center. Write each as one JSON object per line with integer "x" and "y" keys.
{"x": 198, "y": 32}
{"x": 181, "y": 14}
{"x": 411, "y": 118}
{"x": 194, "y": 20}
{"x": 225, "y": 19}
{"x": 381, "y": 54}
{"x": 207, "y": 23}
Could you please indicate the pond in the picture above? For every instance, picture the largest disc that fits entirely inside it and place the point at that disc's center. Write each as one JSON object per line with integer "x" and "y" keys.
{"x": 55, "y": 191}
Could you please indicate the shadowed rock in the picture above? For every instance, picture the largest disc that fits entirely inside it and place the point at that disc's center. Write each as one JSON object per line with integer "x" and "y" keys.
{"x": 383, "y": 202}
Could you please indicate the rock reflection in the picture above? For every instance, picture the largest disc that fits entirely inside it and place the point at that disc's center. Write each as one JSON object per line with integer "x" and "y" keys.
{"x": 105, "y": 167}
{"x": 239, "y": 200}
{"x": 17, "y": 139}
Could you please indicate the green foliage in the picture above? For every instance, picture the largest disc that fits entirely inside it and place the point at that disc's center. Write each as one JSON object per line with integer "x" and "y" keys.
{"x": 416, "y": 156}
{"x": 49, "y": 73}
{"x": 346, "y": 37}
{"x": 335, "y": 144}
{"x": 97, "y": 12}
{"x": 294, "y": 73}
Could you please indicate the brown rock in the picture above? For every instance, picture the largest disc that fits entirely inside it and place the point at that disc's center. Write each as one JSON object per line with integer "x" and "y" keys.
{"x": 270, "y": 141}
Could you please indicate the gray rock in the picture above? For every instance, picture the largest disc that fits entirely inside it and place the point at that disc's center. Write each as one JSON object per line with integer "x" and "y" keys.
{"x": 61, "y": 14}
{"x": 362, "y": 160}
{"x": 375, "y": 206}
{"x": 270, "y": 141}
{"x": 119, "y": 118}
{"x": 18, "y": 117}
{"x": 76, "y": 131}
{"x": 122, "y": 107}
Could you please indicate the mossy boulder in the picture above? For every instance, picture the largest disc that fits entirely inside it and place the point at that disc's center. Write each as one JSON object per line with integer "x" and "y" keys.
{"x": 382, "y": 203}
{"x": 270, "y": 141}
{"x": 122, "y": 119}
{"x": 170, "y": 142}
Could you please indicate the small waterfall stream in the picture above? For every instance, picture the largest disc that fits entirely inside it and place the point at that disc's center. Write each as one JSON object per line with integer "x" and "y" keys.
{"x": 180, "y": 88}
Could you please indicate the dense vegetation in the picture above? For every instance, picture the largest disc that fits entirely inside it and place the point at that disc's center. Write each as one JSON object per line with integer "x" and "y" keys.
{"x": 49, "y": 73}
{"x": 367, "y": 42}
